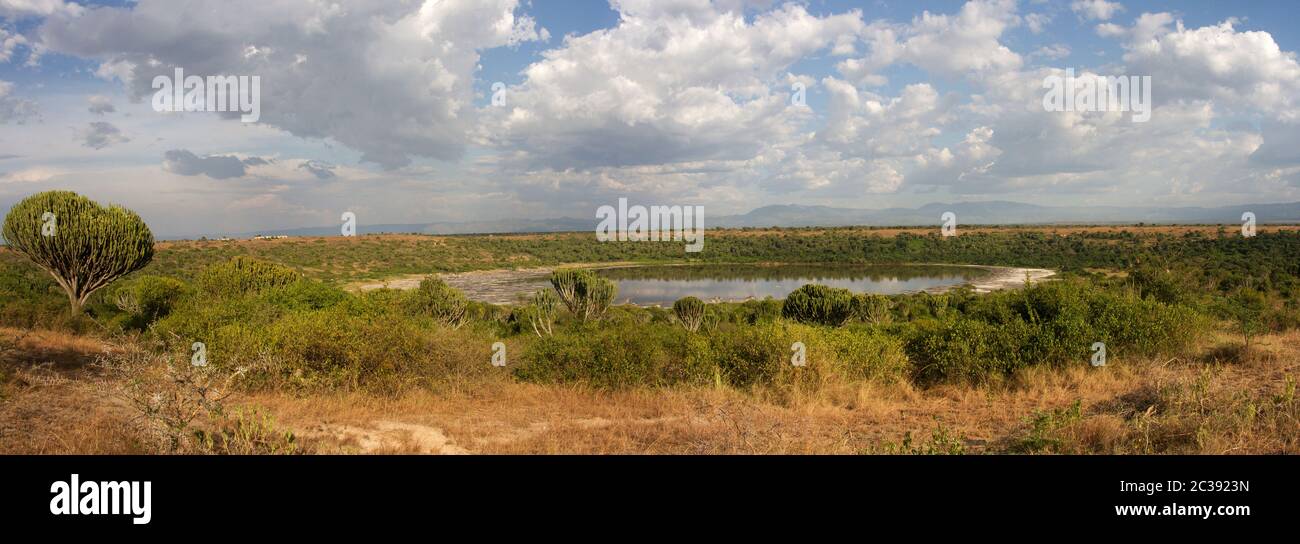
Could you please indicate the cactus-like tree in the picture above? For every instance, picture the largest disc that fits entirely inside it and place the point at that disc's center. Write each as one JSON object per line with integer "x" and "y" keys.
{"x": 819, "y": 304}
{"x": 585, "y": 294}
{"x": 84, "y": 245}
{"x": 541, "y": 313}
{"x": 690, "y": 312}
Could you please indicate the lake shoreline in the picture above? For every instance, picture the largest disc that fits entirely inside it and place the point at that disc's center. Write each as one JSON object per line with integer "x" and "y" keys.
{"x": 512, "y": 286}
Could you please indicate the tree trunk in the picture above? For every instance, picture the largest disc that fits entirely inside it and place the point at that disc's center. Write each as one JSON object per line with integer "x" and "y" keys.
{"x": 74, "y": 303}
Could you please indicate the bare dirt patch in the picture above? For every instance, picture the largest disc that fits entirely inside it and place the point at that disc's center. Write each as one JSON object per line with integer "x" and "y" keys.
{"x": 380, "y": 437}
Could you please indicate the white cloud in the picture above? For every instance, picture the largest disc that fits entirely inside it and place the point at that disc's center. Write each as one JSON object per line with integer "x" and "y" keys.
{"x": 100, "y": 104}
{"x": 1054, "y": 51}
{"x": 12, "y": 108}
{"x": 966, "y": 44}
{"x": 16, "y": 9}
{"x": 681, "y": 101}
{"x": 38, "y": 174}
{"x": 393, "y": 80}
{"x": 1097, "y": 10}
{"x": 1036, "y": 22}
{"x": 673, "y": 82}
{"x": 1234, "y": 68}
{"x": 8, "y": 43}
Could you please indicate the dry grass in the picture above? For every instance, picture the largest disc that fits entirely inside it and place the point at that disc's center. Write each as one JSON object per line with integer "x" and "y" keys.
{"x": 1219, "y": 402}
{"x": 47, "y": 402}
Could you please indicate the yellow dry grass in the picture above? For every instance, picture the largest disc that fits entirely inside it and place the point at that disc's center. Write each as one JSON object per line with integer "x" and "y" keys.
{"x": 1213, "y": 403}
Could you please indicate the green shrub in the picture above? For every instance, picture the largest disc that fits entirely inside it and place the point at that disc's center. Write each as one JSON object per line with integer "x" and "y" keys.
{"x": 1157, "y": 283}
{"x": 874, "y": 309}
{"x": 867, "y": 353}
{"x": 436, "y": 299}
{"x": 966, "y": 350}
{"x": 760, "y": 355}
{"x": 147, "y": 299}
{"x": 616, "y": 355}
{"x": 30, "y": 298}
{"x": 1053, "y": 323}
{"x": 1248, "y": 309}
{"x": 306, "y": 295}
{"x": 365, "y": 343}
{"x": 243, "y": 276}
{"x": 759, "y": 311}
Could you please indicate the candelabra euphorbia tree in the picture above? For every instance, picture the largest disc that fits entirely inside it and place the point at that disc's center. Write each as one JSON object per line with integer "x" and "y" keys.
{"x": 84, "y": 245}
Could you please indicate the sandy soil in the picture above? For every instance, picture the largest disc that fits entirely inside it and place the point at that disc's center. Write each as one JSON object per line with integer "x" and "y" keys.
{"x": 1008, "y": 277}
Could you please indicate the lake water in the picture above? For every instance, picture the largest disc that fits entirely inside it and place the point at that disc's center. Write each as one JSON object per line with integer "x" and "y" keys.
{"x": 662, "y": 285}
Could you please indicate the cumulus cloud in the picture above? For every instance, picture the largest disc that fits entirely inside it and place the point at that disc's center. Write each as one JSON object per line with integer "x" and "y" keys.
{"x": 100, "y": 105}
{"x": 683, "y": 101}
{"x": 1036, "y": 22}
{"x": 1096, "y": 10}
{"x": 8, "y": 43}
{"x": 17, "y": 9}
{"x": 185, "y": 163}
{"x": 965, "y": 44}
{"x": 393, "y": 80}
{"x": 673, "y": 82}
{"x": 14, "y": 109}
{"x": 1243, "y": 69}
{"x": 100, "y": 134}
{"x": 1055, "y": 51}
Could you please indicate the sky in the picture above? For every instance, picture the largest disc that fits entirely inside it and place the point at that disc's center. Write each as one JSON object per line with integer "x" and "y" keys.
{"x": 415, "y": 111}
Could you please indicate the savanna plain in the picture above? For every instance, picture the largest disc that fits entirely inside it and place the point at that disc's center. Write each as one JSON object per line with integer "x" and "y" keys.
{"x": 1200, "y": 327}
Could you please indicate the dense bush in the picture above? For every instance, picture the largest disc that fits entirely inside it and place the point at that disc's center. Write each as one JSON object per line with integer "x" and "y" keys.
{"x": 1053, "y": 323}
{"x": 29, "y": 297}
{"x": 874, "y": 309}
{"x": 306, "y": 295}
{"x": 616, "y": 355}
{"x": 625, "y": 354}
{"x": 287, "y": 338}
{"x": 243, "y": 276}
{"x": 436, "y": 299}
{"x": 147, "y": 299}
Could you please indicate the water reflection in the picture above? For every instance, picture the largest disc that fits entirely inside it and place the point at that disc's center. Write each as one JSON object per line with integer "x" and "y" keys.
{"x": 650, "y": 285}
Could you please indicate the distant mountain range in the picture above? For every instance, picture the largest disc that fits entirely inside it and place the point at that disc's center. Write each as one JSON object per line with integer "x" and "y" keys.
{"x": 968, "y": 213}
